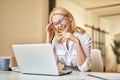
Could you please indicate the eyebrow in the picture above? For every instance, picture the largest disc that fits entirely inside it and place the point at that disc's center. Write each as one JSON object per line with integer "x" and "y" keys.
{"x": 58, "y": 19}
{"x": 64, "y": 15}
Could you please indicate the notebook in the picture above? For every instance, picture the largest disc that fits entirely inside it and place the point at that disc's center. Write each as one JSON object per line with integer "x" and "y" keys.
{"x": 37, "y": 59}
{"x": 105, "y": 76}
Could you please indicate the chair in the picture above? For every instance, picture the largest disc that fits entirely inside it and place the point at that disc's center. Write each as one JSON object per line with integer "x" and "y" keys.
{"x": 97, "y": 61}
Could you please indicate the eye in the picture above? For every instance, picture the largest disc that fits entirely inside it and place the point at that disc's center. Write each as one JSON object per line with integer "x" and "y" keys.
{"x": 61, "y": 20}
{"x": 55, "y": 24}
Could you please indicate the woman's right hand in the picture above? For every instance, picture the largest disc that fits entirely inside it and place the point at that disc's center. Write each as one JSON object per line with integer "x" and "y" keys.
{"x": 49, "y": 28}
{"x": 50, "y": 32}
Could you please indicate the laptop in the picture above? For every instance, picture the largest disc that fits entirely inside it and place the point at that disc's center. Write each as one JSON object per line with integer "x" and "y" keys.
{"x": 37, "y": 59}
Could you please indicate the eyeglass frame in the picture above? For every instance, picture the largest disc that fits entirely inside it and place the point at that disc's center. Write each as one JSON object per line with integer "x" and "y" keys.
{"x": 59, "y": 22}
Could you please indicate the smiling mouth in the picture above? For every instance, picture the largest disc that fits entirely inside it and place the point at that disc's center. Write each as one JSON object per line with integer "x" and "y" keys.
{"x": 62, "y": 27}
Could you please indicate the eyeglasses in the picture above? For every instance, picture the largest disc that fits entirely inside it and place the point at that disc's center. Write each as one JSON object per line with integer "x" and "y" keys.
{"x": 60, "y": 21}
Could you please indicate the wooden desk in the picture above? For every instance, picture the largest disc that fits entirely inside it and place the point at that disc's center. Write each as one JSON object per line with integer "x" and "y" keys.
{"x": 9, "y": 75}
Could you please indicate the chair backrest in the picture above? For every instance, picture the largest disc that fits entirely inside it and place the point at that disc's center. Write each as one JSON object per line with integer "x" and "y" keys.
{"x": 97, "y": 61}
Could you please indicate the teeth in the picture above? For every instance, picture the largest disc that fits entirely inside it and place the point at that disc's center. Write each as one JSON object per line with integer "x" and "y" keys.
{"x": 63, "y": 27}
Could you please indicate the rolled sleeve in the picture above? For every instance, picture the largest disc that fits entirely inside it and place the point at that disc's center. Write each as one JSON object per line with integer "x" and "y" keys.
{"x": 86, "y": 44}
{"x": 85, "y": 66}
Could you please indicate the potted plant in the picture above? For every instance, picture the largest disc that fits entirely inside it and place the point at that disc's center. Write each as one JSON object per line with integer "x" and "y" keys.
{"x": 116, "y": 50}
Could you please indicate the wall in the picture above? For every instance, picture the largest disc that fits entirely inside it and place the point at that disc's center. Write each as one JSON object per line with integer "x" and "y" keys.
{"x": 117, "y": 36}
{"x": 77, "y": 11}
{"x": 110, "y": 57}
{"x": 92, "y": 20}
{"x": 115, "y": 27}
{"x": 22, "y": 21}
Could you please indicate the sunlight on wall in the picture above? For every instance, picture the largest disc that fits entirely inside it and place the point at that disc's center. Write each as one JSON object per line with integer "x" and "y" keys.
{"x": 22, "y": 21}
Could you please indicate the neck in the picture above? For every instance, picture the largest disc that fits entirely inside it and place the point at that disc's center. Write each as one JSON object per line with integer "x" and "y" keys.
{"x": 71, "y": 30}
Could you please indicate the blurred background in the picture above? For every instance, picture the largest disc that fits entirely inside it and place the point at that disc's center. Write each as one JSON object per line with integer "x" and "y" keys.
{"x": 24, "y": 21}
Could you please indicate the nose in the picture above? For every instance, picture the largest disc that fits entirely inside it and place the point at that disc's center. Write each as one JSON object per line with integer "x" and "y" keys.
{"x": 59, "y": 25}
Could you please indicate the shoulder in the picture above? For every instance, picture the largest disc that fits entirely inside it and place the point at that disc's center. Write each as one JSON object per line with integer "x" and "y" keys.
{"x": 84, "y": 38}
{"x": 82, "y": 35}
{"x": 80, "y": 30}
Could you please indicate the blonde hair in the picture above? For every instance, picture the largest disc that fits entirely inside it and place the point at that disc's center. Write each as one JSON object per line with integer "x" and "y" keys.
{"x": 63, "y": 11}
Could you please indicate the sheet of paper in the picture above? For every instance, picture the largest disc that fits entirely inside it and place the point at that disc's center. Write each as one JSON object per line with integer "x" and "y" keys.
{"x": 106, "y": 76}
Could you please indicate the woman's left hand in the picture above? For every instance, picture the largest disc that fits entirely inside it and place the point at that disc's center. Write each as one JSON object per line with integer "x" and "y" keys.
{"x": 66, "y": 36}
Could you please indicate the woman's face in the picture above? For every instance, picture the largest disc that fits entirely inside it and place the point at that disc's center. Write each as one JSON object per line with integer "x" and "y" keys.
{"x": 61, "y": 23}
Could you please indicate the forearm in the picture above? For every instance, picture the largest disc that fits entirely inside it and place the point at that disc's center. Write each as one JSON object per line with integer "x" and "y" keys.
{"x": 81, "y": 57}
{"x": 48, "y": 38}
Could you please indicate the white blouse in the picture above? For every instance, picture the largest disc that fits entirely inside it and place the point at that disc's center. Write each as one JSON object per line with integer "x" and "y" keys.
{"x": 69, "y": 57}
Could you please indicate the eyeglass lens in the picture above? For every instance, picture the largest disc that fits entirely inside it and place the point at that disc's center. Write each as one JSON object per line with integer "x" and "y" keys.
{"x": 60, "y": 21}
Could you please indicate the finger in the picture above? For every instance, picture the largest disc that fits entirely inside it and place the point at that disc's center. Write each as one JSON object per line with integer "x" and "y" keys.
{"x": 50, "y": 25}
{"x": 63, "y": 39}
{"x": 60, "y": 38}
{"x": 61, "y": 33}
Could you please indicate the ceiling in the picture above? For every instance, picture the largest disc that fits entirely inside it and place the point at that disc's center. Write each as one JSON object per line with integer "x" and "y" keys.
{"x": 109, "y": 9}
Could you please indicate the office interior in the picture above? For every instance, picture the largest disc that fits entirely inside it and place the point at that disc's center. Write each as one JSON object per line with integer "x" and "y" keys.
{"x": 24, "y": 21}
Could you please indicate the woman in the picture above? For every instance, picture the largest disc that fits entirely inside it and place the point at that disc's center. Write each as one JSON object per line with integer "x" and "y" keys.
{"x": 71, "y": 44}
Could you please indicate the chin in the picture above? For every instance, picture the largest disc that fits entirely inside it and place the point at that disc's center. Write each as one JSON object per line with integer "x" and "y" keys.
{"x": 60, "y": 31}
{"x": 63, "y": 29}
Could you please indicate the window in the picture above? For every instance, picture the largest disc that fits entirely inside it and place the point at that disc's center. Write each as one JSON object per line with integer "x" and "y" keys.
{"x": 98, "y": 38}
